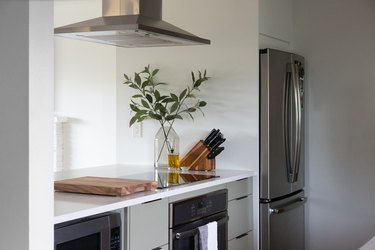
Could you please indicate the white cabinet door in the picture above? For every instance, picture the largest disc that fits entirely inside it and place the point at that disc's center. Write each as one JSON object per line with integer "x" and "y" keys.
{"x": 242, "y": 242}
{"x": 240, "y": 213}
{"x": 148, "y": 225}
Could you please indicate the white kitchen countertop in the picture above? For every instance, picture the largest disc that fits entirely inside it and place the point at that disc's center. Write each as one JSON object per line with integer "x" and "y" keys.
{"x": 69, "y": 206}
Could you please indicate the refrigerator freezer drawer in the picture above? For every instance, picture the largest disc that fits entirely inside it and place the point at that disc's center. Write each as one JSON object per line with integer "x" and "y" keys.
{"x": 282, "y": 223}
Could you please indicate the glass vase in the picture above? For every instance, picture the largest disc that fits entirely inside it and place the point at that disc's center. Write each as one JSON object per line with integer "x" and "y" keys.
{"x": 166, "y": 148}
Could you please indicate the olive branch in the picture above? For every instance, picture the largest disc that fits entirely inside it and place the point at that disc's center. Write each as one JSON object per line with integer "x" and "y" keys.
{"x": 150, "y": 103}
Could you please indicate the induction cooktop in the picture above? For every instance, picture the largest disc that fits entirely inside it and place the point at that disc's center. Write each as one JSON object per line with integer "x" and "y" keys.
{"x": 172, "y": 178}
{"x": 167, "y": 178}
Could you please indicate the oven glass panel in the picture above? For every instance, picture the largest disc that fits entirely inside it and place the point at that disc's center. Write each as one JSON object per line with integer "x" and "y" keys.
{"x": 187, "y": 243}
{"x": 90, "y": 242}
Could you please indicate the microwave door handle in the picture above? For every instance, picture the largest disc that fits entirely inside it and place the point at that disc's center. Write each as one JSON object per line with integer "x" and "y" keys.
{"x": 298, "y": 121}
{"x": 286, "y": 123}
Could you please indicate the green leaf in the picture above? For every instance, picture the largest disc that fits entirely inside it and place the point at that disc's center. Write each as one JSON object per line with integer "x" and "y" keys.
{"x": 183, "y": 93}
{"x": 165, "y": 110}
{"x": 191, "y": 110}
{"x": 140, "y": 119}
{"x": 174, "y": 107}
{"x": 198, "y": 83}
{"x": 145, "y": 84}
{"x": 155, "y": 116}
{"x": 149, "y": 98}
{"x": 133, "y": 120}
{"x": 193, "y": 76}
{"x": 157, "y": 95}
{"x": 161, "y": 108}
{"x": 133, "y": 86}
{"x": 160, "y": 83}
{"x": 145, "y": 70}
{"x": 137, "y": 79}
{"x": 155, "y": 72}
{"x": 179, "y": 117}
{"x": 145, "y": 104}
{"x": 202, "y": 103}
{"x": 167, "y": 100}
{"x": 170, "y": 117}
{"x": 142, "y": 112}
{"x": 134, "y": 108}
{"x": 137, "y": 96}
{"x": 126, "y": 77}
{"x": 174, "y": 97}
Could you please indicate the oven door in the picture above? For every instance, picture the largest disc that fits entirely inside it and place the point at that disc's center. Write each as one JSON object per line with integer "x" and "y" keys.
{"x": 186, "y": 236}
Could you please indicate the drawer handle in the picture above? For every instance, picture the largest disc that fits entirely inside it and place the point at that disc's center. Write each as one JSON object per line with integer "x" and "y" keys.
{"x": 243, "y": 179}
{"x": 242, "y": 235}
{"x": 151, "y": 202}
{"x": 241, "y": 198}
{"x": 156, "y": 248}
{"x": 295, "y": 204}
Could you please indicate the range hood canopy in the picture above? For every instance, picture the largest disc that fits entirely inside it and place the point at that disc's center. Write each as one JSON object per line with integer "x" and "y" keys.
{"x": 130, "y": 23}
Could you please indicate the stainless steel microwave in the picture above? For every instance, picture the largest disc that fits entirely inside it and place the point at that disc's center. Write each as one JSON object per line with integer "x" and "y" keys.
{"x": 102, "y": 232}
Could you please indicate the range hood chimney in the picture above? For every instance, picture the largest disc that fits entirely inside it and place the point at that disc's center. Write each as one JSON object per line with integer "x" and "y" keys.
{"x": 130, "y": 23}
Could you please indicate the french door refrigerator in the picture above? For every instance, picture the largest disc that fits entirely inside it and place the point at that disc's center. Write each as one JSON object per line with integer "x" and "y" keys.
{"x": 281, "y": 151}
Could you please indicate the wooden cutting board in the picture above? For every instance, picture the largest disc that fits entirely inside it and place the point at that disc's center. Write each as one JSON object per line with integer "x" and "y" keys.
{"x": 104, "y": 186}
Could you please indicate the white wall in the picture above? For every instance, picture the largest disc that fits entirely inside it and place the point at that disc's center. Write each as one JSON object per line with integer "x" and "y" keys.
{"x": 337, "y": 39}
{"x": 232, "y": 92}
{"x": 26, "y": 84}
{"x": 40, "y": 126}
{"x": 85, "y": 90}
{"x": 276, "y": 24}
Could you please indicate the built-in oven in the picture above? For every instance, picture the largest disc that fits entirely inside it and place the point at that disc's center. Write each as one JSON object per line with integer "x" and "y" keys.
{"x": 188, "y": 215}
{"x": 102, "y": 232}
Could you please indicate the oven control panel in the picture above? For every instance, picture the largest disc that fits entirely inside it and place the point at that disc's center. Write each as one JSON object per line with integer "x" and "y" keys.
{"x": 198, "y": 207}
{"x": 201, "y": 208}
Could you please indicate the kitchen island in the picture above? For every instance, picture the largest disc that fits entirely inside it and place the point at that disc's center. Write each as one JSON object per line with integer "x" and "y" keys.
{"x": 70, "y": 206}
{"x": 140, "y": 208}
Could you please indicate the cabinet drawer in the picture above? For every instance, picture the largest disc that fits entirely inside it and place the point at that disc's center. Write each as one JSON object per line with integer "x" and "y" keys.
{"x": 240, "y": 188}
{"x": 148, "y": 225}
{"x": 243, "y": 242}
{"x": 240, "y": 213}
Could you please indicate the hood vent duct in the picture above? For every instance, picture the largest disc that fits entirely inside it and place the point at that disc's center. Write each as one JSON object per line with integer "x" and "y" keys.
{"x": 130, "y": 23}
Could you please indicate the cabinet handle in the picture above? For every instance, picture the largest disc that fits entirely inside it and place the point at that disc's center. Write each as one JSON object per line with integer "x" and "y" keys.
{"x": 241, "y": 236}
{"x": 243, "y": 179}
{"x": 241, "y": 198}
{"x": 150, "y": 202}
{"x": 156, "y": 248}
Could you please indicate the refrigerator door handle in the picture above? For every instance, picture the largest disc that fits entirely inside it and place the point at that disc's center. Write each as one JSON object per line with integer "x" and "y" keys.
{"x": 298, "y": 110}
{"x": 297, "y": 203}
{"x": 286, "y": 123}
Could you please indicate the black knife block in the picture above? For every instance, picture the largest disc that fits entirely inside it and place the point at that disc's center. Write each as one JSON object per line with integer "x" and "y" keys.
{"x": 196, "y": 158}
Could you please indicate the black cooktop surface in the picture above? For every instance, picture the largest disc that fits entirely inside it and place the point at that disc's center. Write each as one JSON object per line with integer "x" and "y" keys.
{"x": 169, "y": 178}
{"x": 172, "y": 178}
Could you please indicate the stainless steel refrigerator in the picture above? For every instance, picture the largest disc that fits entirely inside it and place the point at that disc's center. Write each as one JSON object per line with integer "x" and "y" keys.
{"x": 281, "y": 170}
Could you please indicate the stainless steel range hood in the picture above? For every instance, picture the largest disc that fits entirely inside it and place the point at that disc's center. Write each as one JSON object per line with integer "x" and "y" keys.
{"x": 130, "y": 23}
